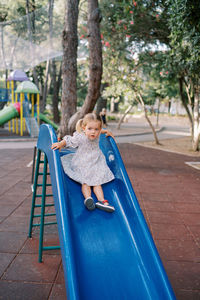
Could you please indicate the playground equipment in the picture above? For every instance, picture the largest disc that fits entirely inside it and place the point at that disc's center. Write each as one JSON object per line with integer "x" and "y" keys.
{"x": 9, "y": 112}
{"x": 105, "y": 256}
{"x": 28, "y": 110}
{"x": 16, "y": 75}
{"x": 48, "y": 121}
{"x": 26, "y": 102}
{"x": 29, "y": 88}
{"x": 41, "y": 192}
{"x": 20, "y": 107}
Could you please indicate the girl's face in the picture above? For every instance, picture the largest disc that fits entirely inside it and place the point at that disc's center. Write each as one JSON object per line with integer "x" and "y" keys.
{"x": 92, "y": 129}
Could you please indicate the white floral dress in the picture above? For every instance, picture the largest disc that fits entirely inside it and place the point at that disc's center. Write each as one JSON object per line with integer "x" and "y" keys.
{"x": 88, "y": 164}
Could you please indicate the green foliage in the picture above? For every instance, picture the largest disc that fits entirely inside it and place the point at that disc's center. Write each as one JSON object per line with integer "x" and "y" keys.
{"x": 134, "y": 21}
{"x": 147, "y": 44}
{"x": 17, "y": 8}
{"x": 184, "y": 23}
{"x": 15, "y": 13}
{"x": 133, "y": 35}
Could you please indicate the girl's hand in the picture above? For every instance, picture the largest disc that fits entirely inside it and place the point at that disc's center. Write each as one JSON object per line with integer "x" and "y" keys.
{"x": 55, "y": 146}
{"x": 107, "y": 132}
{"x": 58, "y": 145}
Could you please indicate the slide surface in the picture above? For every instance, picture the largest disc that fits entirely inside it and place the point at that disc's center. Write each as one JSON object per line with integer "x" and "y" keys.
{"x": 105, "y": 255}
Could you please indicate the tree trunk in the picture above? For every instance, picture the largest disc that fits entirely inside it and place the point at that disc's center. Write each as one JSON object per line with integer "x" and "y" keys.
{"x": 147, "y": 118}
{"x": 196, "y": 133}
{"x": 30, "y": 35}
{"x": 69, "y": 66}
{"x": 45, "y": 88}
{"x": 124, "y": 115}
{"x": 183, "y": 100}
{"x": 56, "y": 87}
{"x": 95, "y": 64}
{"x": 4, "y": 60}
{"x": 2, "y": 47}
{"x": 158, "y": 113}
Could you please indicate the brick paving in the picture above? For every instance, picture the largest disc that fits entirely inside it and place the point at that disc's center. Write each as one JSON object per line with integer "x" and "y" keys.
{"x": 169, "y": 195}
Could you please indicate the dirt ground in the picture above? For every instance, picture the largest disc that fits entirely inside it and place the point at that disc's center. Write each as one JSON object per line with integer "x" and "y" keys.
{"x": 180, "y": 145}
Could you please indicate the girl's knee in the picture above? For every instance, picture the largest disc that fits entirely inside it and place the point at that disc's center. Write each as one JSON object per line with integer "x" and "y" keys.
{"x": 86, "y": 187}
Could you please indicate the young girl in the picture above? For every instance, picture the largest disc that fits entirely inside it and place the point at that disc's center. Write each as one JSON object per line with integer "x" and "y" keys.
{"x": 88, "y": 164}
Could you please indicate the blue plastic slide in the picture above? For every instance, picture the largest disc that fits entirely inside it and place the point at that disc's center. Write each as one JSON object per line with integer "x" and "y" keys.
{"x": 106, "y": 256}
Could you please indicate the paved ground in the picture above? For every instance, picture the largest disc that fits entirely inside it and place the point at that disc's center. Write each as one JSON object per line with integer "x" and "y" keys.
{"x": 167, "y": 190}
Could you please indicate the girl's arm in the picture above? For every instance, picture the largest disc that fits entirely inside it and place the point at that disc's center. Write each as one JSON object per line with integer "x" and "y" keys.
{"x": 58, "y": 145}
{"x": 107, "y": 132}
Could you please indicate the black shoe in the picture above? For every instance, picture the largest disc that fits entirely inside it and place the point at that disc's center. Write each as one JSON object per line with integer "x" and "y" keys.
{"x": 101, "y": 205}
{"x": 89, "y": 203}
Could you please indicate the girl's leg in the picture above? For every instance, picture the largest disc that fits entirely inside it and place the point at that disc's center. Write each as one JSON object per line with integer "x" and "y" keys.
{"x": 89, "y": 202}
{"x": 86, "y": 190}
{"x": 102, "y": 204}
{"x": 99, "y": 193}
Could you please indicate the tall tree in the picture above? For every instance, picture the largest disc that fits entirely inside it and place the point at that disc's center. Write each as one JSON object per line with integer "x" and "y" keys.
{"x": 55, "y": 83}
{"x": 56, "y": 88}
{"x": 45, "y": 87}
{"x": 69, "y": 66}
{"x": 69, "y": 97}
{"x": 31, "y": 28}
{"x": 95, "y": 62}
{"x": 184, "y": 23}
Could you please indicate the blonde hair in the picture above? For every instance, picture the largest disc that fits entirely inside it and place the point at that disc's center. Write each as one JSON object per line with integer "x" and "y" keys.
{"x": 87, "y": 118}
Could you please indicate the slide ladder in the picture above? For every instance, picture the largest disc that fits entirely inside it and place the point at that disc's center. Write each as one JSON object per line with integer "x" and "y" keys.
{"x": 40, "y": 192}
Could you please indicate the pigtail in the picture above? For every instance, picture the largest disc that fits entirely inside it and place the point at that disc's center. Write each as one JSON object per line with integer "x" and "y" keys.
{"x": 83, "y": 122}
{"x": 79, "y": 125}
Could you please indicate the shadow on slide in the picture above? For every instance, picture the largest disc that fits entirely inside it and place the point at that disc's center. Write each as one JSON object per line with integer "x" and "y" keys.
{"x": 105, "y": 255}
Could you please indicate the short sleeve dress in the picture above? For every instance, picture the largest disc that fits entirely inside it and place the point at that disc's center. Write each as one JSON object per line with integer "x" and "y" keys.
{"x": 88, "y": 164}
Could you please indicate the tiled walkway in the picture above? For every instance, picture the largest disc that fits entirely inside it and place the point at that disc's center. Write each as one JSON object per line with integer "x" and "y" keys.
{"x": 168, "y": 191}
